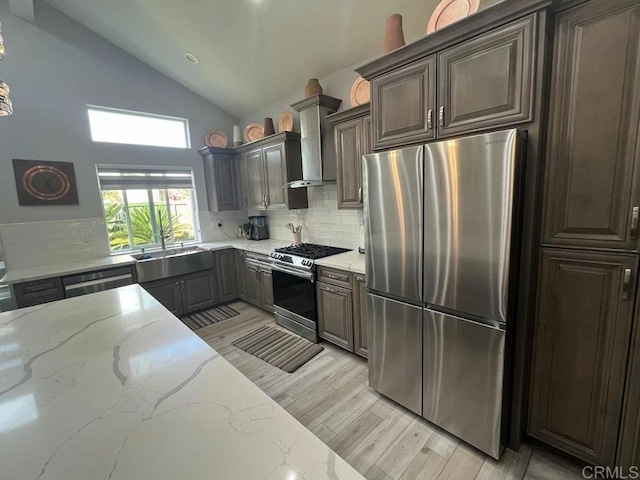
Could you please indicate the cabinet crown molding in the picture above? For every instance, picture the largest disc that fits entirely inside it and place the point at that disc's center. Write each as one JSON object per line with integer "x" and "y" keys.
{"x": 320, "y": 99}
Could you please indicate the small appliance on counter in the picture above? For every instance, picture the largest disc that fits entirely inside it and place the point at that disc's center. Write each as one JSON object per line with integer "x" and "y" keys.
{"x": 259, "y": 228}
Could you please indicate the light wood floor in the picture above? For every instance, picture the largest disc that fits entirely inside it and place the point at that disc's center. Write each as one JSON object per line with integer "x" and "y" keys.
{"x": 331, "y": 397}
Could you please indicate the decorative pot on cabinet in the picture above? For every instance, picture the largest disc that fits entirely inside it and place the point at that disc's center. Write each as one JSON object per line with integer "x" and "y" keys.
{"x": 313, "y": 88}
{"x": 269, "y": 128}
{"x": 393, "y": 35}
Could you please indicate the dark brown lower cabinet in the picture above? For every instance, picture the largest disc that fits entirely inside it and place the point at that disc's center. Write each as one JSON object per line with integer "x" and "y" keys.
{"x": 225, "y": 261}
{"x": 629, "y": 443}
{"x": 581, "y": 340}
{"x": 241, "y": 274}
{"x": 335, "y": 315}
{"x": 187, "y": 293}
{"x": 199, "y": 290}
{"x": 168, "y": 292}
{"x": 266, "y": 282}
{"x": 360, "y": 317}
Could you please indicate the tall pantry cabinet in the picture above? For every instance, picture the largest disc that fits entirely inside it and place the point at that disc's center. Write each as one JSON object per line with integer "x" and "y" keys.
{"x": 585, "y": 382}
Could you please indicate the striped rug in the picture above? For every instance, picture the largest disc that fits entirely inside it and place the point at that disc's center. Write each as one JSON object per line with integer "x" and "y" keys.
{"x": 208, "y": 317}
{"x": 283, "y": 350}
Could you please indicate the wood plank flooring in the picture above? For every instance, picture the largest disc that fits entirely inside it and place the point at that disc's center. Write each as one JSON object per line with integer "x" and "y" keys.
{"x": 331, "y": 397}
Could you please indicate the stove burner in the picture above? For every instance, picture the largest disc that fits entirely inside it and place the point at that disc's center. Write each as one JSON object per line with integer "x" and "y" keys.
{"x": 311, "y": 251}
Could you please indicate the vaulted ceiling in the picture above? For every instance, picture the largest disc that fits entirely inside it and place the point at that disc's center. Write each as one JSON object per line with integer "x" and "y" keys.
{"x": 251, "y": 52}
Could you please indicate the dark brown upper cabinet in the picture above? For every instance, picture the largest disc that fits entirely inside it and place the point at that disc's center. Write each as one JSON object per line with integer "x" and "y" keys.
{"x": 268, "y": 165}
{"x": 403, "y": 105}
{"x": 581, "y": 340}
{"x": 592, "y": 174}
{"x": 221, "y": 178}
{"x": 352, "y": 134}
{"x": 487, "y": 82}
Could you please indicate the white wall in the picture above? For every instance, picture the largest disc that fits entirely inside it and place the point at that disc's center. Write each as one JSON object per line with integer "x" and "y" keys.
{"x": 56, "y": 67}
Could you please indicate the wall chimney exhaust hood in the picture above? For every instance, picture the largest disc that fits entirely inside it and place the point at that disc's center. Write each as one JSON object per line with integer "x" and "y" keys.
{"x": 318, "y": 151}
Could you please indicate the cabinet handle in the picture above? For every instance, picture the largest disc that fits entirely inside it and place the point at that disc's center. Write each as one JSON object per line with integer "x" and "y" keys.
{"x": 429, "y": 119}
{"x": 335, "y": 277}
{"x": 327, "y": 289}
{"x": 183, "y": 286}
{"x": 178, "y": 285}
{"x": 626, "y": 283}
{"x": 441, "y": 116}
{"x": 635, "y": 216}
{"x": 267, "y": 200}
{"x": 360, "y": 195}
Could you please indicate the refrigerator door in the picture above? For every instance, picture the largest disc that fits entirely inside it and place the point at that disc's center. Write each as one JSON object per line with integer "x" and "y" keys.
{"x": 469, "y": 195}
{"x": 395, "y": 351}
{"x": 392, "y": 194}
{"x": 463, "y": 379}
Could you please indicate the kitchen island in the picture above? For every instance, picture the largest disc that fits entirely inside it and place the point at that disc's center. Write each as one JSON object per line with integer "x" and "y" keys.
{"x": 113, "y": 386}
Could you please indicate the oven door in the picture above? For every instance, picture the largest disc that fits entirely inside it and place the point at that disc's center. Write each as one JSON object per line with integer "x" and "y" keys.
{"x": 294, "y": 291}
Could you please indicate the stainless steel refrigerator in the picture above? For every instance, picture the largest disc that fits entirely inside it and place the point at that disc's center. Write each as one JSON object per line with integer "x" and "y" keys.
{"x": 441, "y": 236}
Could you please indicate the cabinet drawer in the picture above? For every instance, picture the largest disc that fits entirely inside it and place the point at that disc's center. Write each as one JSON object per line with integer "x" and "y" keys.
{"x": 39, "y": 291}
{"x": 335, "y": 277}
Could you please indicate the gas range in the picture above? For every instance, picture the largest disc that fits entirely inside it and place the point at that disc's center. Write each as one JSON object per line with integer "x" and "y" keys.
{"x": 303, "y": 256}
{"x": 294, "y": 291}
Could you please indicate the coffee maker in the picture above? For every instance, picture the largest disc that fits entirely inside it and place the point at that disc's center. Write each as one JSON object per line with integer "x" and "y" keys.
{"x": 259, "y": 229}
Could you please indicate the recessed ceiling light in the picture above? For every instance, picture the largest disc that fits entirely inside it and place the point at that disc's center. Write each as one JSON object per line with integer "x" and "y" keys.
{"x": 192, "y": 58}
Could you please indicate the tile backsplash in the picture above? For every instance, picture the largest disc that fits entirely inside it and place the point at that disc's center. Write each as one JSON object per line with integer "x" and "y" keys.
{"x": 33, "y": 244}
{"x": 322, "y": 222}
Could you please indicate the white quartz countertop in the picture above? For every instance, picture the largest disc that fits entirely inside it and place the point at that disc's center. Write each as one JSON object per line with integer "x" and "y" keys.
{"x": 352, "y": 261}
{"x": 48, "y": 271}
{"x": 256, "y": 246}
{"x": 112, "y": 386}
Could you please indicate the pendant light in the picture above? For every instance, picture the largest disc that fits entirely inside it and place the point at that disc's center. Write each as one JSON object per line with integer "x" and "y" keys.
{"x": 1, "y": 44}
{"x": 6, "y": 107}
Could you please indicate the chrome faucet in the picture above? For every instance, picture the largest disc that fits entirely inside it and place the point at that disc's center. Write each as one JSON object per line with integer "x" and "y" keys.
{"x": 163, "y": 235}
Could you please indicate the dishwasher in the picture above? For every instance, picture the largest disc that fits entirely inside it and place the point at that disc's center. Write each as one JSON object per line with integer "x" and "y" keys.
{"x": 86, "y": 283}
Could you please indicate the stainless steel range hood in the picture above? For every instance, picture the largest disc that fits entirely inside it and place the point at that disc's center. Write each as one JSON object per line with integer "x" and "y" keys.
{"x": 318, "y": 153}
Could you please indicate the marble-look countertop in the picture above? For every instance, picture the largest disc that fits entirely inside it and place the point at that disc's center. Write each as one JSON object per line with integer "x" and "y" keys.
{"x": 264, "y": 247}
{"x": 352, "y": 261}
{"x": 57, "y": 270}
{"x": 113, "y": 386}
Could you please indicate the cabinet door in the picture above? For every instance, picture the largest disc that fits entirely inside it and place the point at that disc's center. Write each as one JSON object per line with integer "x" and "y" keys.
{"x": 225, "y": 178}
{"x": 241, "y": 171}
{"x": 360, "y": 317}
{"x": 592, "y": 176}
{"x": 335, "y": 315}
{"x": 254, "y": 286}
{"x": 487, "y": 82}
{"x": 255, "y": 179}
{"x": 349, "y": 143}
{"x": 199, "y": 290}
{"x": 241, "y": 271}
{"x": 403, "y": 103}
{"x": 275, "y": 175}
{"x": 168, "y": 293}
{"x": 266, "y": 284}
{"x": 581, "y": 339}
{"x": 226, "y": 269}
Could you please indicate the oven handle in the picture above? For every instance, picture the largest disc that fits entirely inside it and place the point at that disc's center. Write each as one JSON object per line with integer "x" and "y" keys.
{"x": 296, "y": 273}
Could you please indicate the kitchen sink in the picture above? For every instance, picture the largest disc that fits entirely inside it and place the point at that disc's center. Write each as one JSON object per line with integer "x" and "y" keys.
{"x": 162, "y": 264}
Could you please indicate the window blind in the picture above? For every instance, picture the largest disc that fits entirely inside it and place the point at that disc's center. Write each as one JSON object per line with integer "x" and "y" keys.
{"x": 143, "y": 179}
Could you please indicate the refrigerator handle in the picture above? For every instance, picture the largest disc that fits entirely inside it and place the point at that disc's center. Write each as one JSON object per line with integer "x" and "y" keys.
{"x": 635, "y": 216}
{"x": 441, "y": 116}
{"x": 626, "y": 283}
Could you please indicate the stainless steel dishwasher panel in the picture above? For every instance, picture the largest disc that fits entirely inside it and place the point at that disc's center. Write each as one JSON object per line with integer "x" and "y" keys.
{"x": 76, "y": 285}
{"x": 463, "y": 379}
{"x": 395, "y": 351}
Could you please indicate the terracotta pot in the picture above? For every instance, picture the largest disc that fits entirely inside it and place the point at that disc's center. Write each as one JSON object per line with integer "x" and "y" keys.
{"x": 313, "y": 88}
{"x": 393, "y": 36}
{"x": 269, "y": 128}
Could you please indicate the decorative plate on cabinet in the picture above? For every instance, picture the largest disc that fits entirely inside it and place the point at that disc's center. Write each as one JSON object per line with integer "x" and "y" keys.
{"x": 253, "y": 132}
{"x": 285, "y": 123}
{"x": 451, "y": 11}
{"x": 360, "y": 92}
{"x": 216, "y": 138}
